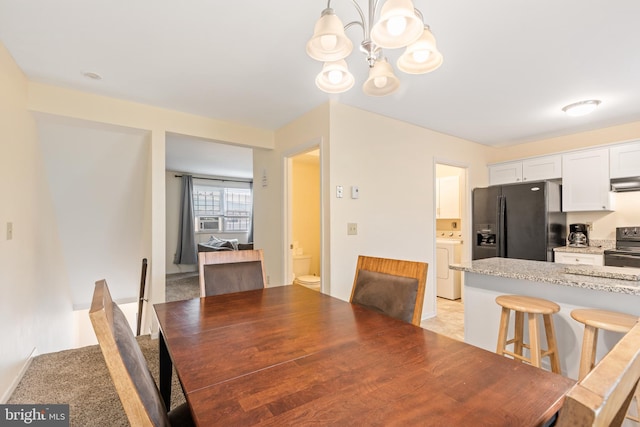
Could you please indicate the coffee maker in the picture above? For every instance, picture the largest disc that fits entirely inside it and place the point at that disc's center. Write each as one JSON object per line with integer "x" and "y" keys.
{"x": 578, "y": 235}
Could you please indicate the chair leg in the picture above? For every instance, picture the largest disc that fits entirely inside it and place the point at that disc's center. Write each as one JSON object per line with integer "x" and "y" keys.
{"x": 518, "y": 333}
{"x": 588, "y": 356}
{"x": 552, "y": 345}
{"x": 534, "y": 340}
{"x": 502, "y": 331}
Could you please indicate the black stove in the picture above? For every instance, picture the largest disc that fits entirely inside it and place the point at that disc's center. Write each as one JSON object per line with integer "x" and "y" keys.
{"x": 627, "y": 251}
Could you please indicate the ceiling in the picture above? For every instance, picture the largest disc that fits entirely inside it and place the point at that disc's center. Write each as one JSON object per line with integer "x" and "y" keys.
{"x": 509, "y": 66}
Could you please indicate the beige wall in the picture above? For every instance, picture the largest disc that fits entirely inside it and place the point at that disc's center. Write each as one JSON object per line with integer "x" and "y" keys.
{"x": 35, "y": 307}
{"x": 393, "y": 163}
{"x": 609, "y": 135}
{"x": 311, "y": 129}
{"x": 306, "y": 208}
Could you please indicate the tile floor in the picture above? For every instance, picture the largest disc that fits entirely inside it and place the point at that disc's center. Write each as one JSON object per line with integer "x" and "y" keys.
{"x": 449, "y": 319}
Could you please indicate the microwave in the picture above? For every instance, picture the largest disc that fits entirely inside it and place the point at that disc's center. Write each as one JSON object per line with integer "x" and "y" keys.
{"x": 209, "y": 223}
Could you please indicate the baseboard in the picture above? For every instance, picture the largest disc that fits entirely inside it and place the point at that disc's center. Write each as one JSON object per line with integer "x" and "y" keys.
{"x": 14, "y": 384}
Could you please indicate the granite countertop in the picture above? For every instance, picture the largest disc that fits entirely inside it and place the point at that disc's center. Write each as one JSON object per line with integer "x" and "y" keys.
{"x": 597, "y": 250}
{"x": 606, "y": 279}
{"x": 596, "y": 247}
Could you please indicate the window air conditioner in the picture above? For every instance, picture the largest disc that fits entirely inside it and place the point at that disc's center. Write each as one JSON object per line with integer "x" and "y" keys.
{"x": 211, "y": 224}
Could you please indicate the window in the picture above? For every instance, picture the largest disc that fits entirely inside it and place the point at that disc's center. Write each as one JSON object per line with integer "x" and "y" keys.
{"x": 232, "y": 205}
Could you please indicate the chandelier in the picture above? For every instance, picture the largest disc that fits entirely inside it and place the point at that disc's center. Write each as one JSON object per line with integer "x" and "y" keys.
{"x": 399, "y": 25}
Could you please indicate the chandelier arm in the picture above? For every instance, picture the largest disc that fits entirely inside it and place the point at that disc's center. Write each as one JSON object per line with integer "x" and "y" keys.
{"x": 419, "y": 14}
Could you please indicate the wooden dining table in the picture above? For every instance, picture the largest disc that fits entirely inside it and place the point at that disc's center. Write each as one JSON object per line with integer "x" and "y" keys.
{"x": 292, "y": 356}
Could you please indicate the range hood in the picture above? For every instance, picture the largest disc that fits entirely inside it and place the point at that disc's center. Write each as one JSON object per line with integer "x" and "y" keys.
{"x": 620, "y": 185}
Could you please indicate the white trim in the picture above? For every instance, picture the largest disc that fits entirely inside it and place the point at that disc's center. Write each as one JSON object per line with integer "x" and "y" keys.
{"x": 14, "y": 384}
{"x": 287, "y": 155}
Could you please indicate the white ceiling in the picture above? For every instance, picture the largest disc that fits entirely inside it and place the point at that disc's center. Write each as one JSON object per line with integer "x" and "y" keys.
{"x": 509, "y": 66}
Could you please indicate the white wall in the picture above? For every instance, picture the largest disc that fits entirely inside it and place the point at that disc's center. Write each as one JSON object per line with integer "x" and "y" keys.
{"x": 35, "y": 307}
{"x": 393, "y": 164}
{"x": 98, "y": 180}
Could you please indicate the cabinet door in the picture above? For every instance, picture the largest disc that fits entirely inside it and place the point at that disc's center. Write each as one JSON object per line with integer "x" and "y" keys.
{"x": 449, "y": 197}
{"x": 625, "y": 160}
{"x": 539, "y": 168}
{"x": 505, "y": 173}
{"x": 585, "y": 181}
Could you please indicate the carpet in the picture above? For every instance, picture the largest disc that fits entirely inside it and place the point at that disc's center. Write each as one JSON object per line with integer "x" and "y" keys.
{"x": 80, "y": 377}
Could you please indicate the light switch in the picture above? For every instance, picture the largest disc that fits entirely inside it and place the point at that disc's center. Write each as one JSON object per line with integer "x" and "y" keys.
{"x": 339, "y": 191}
{"x": 355, "y": 192}
{"x": 9, "y": 230}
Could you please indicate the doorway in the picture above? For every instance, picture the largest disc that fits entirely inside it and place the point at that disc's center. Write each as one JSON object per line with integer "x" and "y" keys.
{"x": 452, "y": 226}
{"x": 304, "y": 230}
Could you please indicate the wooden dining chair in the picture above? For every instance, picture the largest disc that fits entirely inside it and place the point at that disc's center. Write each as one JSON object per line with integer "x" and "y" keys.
{"x": 231, "y": 271}
{"x": 390, "y": 286}
{"x": 602, "y": 398}
{"x": 136, "y": 388}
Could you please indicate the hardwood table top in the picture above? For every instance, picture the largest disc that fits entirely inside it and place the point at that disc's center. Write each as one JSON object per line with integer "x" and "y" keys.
{"x": 292, "y": 356}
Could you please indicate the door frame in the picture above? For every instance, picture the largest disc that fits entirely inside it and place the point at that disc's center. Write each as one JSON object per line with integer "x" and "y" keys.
{"x": 287, "y": 256}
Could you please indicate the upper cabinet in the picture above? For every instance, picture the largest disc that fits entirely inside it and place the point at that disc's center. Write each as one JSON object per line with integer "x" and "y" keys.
{"x": 534, "y": 169}
{"x": 624, "y": 160}
{"x": 585, "y": 181}
{"x": 448, "y": 197}
{"x": 540, "y": 168}
{"x": 505, "y": 173}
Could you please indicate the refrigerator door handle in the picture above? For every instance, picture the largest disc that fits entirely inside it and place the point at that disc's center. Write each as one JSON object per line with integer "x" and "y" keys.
{"x": 501, "y": 238}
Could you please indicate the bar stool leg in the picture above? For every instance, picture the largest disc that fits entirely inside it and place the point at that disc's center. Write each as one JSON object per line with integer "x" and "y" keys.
{"x": 534, "y": 340}
{"x": 502, "y": 331}
{"x": 552, "y": 346}
{"x": 518, "y": 342}
{"x": 589, "y": 344}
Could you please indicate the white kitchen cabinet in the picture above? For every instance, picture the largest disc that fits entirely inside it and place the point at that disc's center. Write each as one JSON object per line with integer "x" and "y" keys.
{"x": 505, "y": 173}
{"x": 448, "y": 197}
{"x": 534, "y": 169}
{"x": 624, "y": 160}
{"x": 585, "y": 181}
{"x": 540, "y": 168}
{"x": 579, "y": 258}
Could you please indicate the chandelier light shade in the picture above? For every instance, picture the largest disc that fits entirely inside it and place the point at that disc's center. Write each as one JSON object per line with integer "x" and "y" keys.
{"x": 329, "y": 42}
{"x": 421, "y": 56}
{"x": 581, "y": 108}
{"x": 381, "y": 80}
{"x": 335, "y": 77}
{"x": 400, "y": 25}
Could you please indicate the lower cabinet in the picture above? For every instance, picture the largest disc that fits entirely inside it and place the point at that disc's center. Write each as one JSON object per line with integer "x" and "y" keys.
{"x": 578, "y": 258}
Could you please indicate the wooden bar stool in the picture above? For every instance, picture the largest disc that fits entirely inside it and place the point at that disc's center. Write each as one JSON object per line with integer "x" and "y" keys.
{"x": 594, "y": 320}
{"x": 534, "y": 307}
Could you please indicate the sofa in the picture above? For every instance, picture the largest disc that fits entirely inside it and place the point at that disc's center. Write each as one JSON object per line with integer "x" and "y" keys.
{"x": 215, "y": 244}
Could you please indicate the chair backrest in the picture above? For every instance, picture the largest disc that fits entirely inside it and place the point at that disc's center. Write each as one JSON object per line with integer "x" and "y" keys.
{"x": 390, "y": 286}
{"x": 128, "y": 368}
{"x": 602, "y": 398}
{"x": 230, "y": 271}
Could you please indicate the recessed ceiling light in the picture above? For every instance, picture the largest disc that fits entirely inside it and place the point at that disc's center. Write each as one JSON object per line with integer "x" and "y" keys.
{"x": 581, "y": 108}
{"x": 92, "y": 75}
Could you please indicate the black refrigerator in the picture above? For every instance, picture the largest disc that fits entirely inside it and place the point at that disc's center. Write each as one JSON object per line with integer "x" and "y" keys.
{"x": 523, "y": 221}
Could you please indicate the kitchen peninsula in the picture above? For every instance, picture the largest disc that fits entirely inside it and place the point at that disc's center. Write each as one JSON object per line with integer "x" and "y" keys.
{"x": 570, "y": 286}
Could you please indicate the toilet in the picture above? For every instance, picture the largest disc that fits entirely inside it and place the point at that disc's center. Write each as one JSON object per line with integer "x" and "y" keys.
{"x": 301, "y": 267}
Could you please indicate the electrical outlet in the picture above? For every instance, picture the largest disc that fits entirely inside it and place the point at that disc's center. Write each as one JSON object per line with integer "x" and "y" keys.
{"x": 352, "y": 229}
{"x": 589, "y": 226}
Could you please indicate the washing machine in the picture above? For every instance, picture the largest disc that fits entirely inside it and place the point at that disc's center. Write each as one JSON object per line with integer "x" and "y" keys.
{"x": 448, "y": 251}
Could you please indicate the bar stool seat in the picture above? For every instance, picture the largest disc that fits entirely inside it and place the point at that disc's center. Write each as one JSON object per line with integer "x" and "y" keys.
{"x": 594, "y": 320}
{"x": 534, "y": 308}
